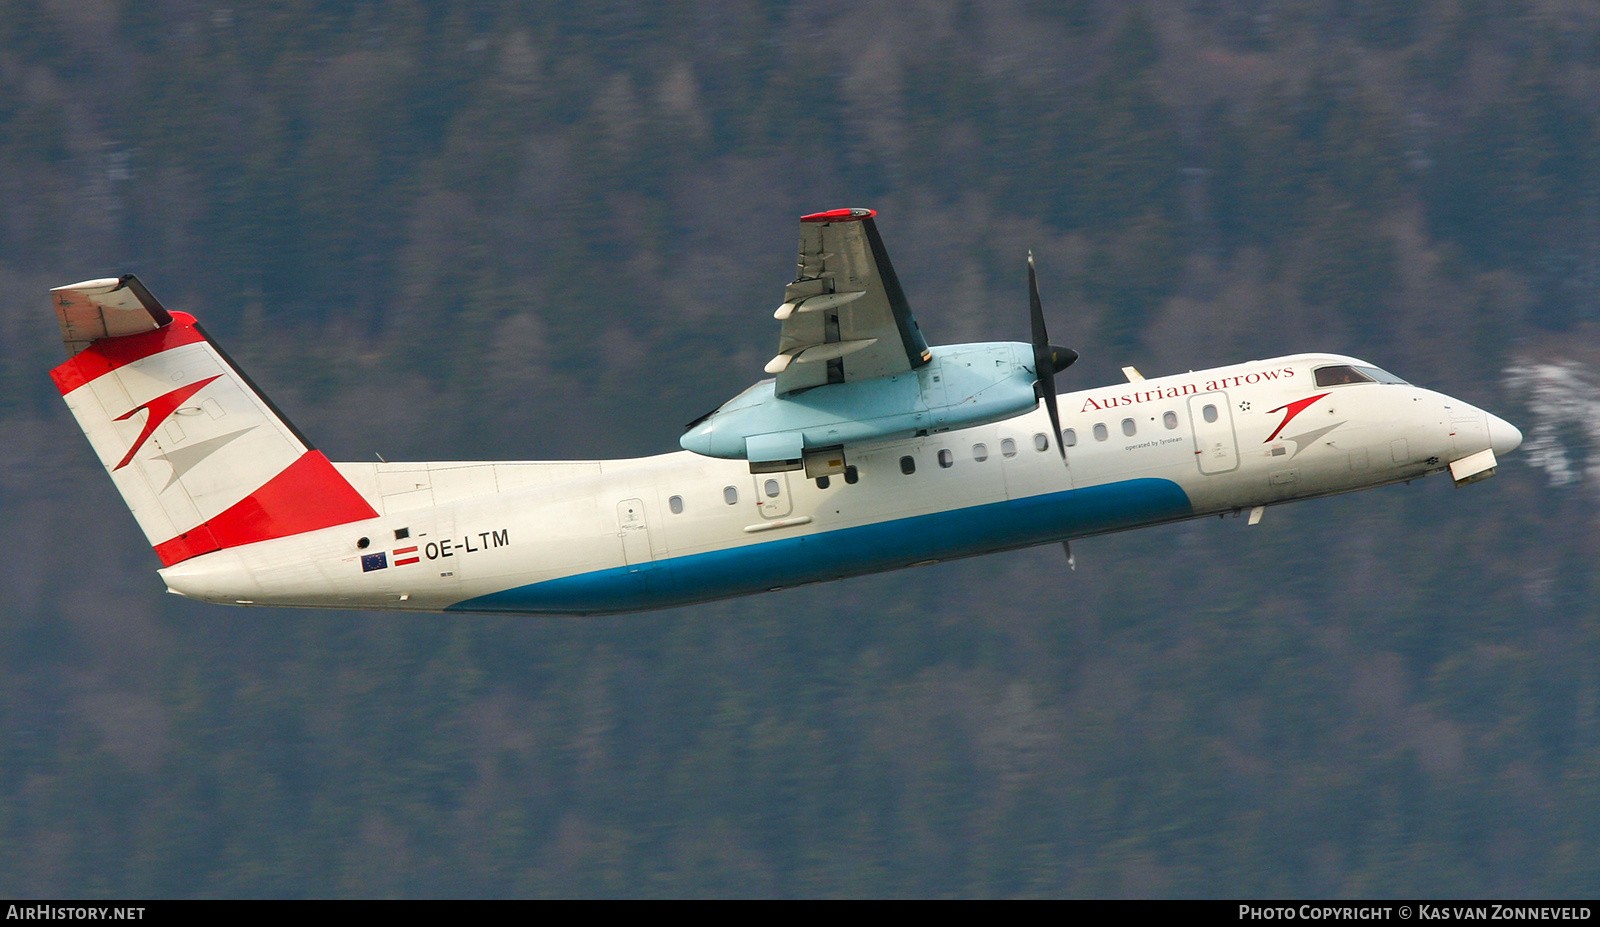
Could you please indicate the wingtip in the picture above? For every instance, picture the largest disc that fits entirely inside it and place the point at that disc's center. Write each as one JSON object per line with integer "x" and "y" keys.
{"x": 840, "y": 215}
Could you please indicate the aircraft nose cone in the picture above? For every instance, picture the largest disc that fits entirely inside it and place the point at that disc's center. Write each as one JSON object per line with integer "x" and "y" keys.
{"x": 1503, "y": 436}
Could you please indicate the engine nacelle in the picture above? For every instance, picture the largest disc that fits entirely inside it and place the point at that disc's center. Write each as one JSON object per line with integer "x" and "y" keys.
{"x": 963, "y": 385}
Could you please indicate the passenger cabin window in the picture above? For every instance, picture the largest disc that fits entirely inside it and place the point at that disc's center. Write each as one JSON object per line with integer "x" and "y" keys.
{"x": 730, "y": 495}
{"x": 1129, "y": 426}
{"x": 1100, "y": 432}
{"x": 908, "y": 465}
{"x": 851, "y": 474}
{"x": 1040, "y": 442}
{"x": 947, "y": 458}
{"x": 823, "y": 481}
{"x": 676, "y": 505}
{"x": 1209, "y": 413}
{"x": 1008, "y": 447}
{"x": 1170, "y": 419}
{"x": 980, "y": 452}
{"x": 1069, "y": 437}
{"x": 1340, "y": 374}
{"x": 771, "y": 488}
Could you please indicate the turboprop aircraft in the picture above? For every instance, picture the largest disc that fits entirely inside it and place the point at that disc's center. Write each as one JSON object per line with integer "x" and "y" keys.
{"x": 867, "y": 450}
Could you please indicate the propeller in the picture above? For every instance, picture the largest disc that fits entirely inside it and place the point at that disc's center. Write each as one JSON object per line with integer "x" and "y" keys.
{"x": 1048, "y": 359}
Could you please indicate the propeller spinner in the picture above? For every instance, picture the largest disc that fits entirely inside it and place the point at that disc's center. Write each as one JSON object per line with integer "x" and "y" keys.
{"x": 1048, "y": 359}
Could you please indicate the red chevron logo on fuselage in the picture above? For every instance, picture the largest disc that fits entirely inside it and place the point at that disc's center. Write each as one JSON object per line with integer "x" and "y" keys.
{"x": 1295, "y": 408}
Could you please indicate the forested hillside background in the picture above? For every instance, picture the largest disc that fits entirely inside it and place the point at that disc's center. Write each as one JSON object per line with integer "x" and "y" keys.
{"x": 559, "y": 229}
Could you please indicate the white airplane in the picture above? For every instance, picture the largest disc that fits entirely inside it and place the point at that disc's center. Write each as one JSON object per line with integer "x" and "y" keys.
{"x": 867, "y": 451}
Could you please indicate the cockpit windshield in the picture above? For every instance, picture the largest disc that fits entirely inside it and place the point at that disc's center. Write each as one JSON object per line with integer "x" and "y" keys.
{"x": 1382, "y": 376}
{"x": 1340, "y": 374}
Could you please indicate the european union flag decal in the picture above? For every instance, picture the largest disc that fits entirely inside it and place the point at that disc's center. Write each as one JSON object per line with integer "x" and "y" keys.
{"x": 377, "y": 561}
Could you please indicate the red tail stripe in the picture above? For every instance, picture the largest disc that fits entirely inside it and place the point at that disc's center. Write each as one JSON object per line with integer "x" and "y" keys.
{"x": 107, "y": 354}
{"x": 307, "y": 496}
{"x": 191, "y": 543}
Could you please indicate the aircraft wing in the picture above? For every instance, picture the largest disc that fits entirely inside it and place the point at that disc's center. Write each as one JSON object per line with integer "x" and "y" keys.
{"x": 845, "y": 318}
{"x": 106, "y": 308}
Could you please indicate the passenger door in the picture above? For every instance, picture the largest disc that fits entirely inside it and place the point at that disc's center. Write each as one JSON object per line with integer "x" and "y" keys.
{"x": 772, "y": 494}
{"x": 1216, "y": 449}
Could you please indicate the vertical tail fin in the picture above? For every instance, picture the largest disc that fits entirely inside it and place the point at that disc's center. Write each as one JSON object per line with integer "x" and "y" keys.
{"x": 200, "y": 456}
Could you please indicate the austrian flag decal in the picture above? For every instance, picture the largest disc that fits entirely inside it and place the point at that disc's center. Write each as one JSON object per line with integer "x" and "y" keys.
{"x": 405, "y": 555}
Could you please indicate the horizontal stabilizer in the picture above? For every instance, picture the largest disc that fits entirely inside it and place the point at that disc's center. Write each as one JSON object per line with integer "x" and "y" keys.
{"x": 106, "y": 308}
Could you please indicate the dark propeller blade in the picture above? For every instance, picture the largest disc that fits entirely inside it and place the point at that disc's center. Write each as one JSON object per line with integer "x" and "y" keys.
{"x": 1048, "y": 359}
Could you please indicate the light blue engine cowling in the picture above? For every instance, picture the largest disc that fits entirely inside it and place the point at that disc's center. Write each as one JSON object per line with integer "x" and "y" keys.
{"x": 961, "y": 386}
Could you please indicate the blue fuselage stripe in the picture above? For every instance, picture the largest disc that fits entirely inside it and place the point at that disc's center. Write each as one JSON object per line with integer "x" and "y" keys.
{"x": 886, "y": 545}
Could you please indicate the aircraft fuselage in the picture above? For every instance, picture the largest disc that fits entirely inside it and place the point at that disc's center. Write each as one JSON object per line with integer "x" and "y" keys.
{"x": 620, "y": 535}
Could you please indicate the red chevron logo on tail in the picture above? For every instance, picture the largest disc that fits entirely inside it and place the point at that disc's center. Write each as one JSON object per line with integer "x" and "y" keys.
{"x": 159, "y": 408}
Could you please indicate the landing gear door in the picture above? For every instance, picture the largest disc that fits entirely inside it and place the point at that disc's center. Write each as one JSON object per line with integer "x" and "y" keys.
{"x": 1216, "y": 449}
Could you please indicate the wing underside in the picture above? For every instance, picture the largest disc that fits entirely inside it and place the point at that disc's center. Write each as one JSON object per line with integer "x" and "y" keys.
{"x": 845, "y": 317}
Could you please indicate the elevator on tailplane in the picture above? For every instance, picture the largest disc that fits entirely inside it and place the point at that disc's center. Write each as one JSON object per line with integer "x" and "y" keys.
{"x": 866, "y": 450}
